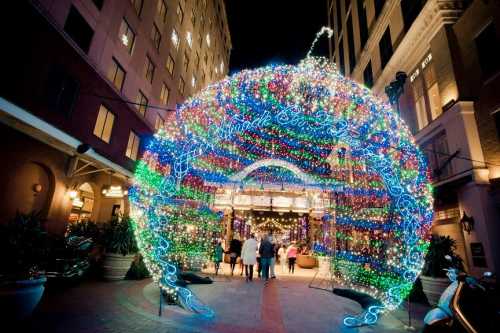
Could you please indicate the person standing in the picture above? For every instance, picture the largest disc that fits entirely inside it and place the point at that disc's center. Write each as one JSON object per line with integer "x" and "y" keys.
{"x": 273, "y": 259}
{"x": 266, "y": 254}
{"x": 249, "y": 256}
{"x": 282, "y": 257}
{"x": 234, "y": 253}
{"x": 218, "y": 251}
{"x": 259, "y": 264}
{"x": 291, "y": 254}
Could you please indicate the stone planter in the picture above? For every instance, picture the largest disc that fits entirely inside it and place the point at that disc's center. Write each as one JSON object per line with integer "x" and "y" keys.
{"x": 433, "y": 288}
{"x": 115, "y": 266}
{"x": 20, "y": 298}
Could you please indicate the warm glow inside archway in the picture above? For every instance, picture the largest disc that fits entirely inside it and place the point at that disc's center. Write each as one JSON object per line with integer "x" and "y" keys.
{"x": 330, "y": 132}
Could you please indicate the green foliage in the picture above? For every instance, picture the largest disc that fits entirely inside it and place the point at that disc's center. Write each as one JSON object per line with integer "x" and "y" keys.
{"x": 435, "y": 261}
{"x": 118, "y": 236}
{"x": 88, "y": 229}
{"x": 24, "y": 247}
{"x": 138, "y": 270}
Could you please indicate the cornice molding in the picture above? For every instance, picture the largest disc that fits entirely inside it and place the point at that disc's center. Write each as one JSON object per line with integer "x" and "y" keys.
{"x": 414, "y": 44}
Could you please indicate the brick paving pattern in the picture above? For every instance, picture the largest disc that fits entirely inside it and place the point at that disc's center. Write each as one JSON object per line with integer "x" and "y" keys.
{"x": 283, "y": 305}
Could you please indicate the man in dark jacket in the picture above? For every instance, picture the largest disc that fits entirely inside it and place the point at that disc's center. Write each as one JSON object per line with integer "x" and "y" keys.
{"x": 234, "y": 252}
{"x": 266, "y": 251}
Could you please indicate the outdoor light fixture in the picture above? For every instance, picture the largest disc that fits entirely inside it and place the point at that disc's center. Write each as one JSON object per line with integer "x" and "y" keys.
{"x": 37, "y": 188}
{"x": 73, "y": 194}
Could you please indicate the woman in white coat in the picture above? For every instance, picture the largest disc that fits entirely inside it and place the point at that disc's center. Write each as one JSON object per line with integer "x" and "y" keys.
{"x": 249, "y": 256}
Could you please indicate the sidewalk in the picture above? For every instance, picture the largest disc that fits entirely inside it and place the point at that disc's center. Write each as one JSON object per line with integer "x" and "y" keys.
{"x": 286, "y": 304}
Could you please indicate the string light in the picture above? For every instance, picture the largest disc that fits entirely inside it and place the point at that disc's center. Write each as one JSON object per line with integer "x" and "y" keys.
{"x": 347, "y": 141}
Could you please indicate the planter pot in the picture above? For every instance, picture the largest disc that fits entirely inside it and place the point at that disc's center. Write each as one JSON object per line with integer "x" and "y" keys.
{"x": 433, "y": 288}
{"x": 20, "y": 298}
{"x": 115, "y": 266}
{"x": 306, "y": 261}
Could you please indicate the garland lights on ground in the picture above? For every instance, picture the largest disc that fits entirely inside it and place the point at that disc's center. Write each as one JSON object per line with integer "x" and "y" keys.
{"x": 334, "y": 130}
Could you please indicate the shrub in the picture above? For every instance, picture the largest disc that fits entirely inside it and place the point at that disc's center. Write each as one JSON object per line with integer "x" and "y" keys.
{"x": 118, "y": 236}
{"x": 435, "y": 261}
{"x": 24, "y": 247}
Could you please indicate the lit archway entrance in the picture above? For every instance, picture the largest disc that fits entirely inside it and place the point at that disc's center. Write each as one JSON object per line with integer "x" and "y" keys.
{"x": 332, "y": 131}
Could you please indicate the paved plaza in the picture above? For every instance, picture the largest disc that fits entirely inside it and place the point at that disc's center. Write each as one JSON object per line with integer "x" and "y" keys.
{"x": 286, "y": 304}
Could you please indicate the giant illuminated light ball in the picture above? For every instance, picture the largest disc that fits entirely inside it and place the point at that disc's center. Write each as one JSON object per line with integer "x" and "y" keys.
{"x": 306, "y": 125}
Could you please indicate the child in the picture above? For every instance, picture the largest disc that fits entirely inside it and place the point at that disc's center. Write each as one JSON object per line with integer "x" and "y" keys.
{"x": 218, "y": 252}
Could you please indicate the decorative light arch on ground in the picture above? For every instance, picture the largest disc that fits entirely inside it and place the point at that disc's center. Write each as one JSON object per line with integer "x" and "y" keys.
{"x": 330, "y": 129}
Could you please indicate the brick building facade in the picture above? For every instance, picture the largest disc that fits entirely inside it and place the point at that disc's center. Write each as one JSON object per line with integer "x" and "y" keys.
{"x": 84, "y": 88}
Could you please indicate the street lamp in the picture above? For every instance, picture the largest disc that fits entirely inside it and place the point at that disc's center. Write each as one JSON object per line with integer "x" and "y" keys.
{"x": 395, "y": 89}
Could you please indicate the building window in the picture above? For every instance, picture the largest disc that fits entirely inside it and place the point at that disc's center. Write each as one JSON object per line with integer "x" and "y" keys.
{"x": 202, "y": 20}
{"x": 368, "y": 75}
{"x": 432, "y": 91}
{"x": 411, "y": 9}
{"x": 137, "y": 6}
{"x": 426, "y": 93}
{"x": 98, "y": 3}
{"x": 419, "y": 97}
{"x": 193, "y": 17}
{"x": 488, "y": 51}
{"x": 175, "y": 39}
{"x": 162, "y": 10}
{"x": 159, "y": 122}
{"x": 341, "y": 57}
{"x": 350, "y": 44}
{"x": 164, "y": 94}
{"x": 170, "y": 65}
{"x": 186, "y": 61}
{"x": 496, "y": 116}
{"x": 141, "y": 103}
{"x": 385, "y": 47}
{"x": 189, "y": 39}
{"x": 437, "y": 154}
{"x": 149, "y": 69}
{"x": 127, "y": 36}
{"x": 208, "y": 40}
{"x": 363, "y": 23}
{"x": 197, "y": 59}
{"x": 200, "y": 39}
{"x": 156, "y": 37}
{"x": 61, "y": 90}
{"x": 379, "y": 5}
{"x": 339, "y": 17}
{"x": 132, "y": 146}
{"x": 104, "y": 124}
{"x": 78, "y": 29}
{"x": 116, "y": 74}
{"x": 182, "y": 85}
{"x": 180, "y": 14}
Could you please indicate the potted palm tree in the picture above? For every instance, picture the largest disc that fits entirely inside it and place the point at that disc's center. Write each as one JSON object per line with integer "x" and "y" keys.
{"x": 24, "y": 250}
{"x": 120, "y": 248}
{"x": 440, "y": 256}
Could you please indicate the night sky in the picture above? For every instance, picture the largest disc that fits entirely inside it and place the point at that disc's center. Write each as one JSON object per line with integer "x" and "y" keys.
{"x": 274, "y": 31}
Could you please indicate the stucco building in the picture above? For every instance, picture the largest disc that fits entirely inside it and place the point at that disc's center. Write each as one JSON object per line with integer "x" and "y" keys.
{"x": 450, "y": 51}
{"x": 85, "y": 86}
